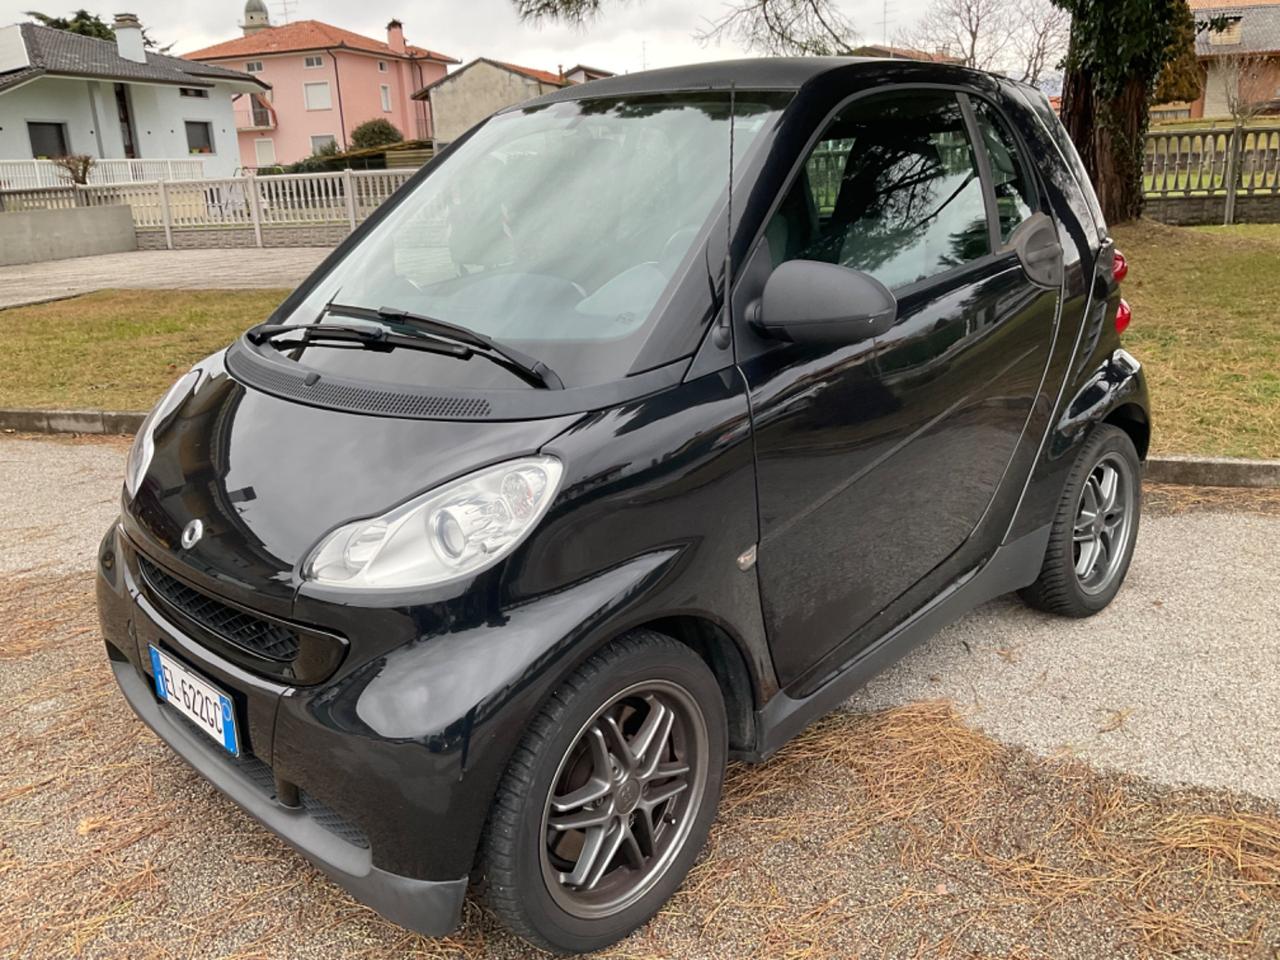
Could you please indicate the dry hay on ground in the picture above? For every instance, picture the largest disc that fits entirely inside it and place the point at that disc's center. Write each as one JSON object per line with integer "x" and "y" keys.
{"x": 904, "y": 833}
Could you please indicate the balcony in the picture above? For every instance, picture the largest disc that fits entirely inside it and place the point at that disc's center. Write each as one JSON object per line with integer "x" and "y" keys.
{"x": 253, "y": 112}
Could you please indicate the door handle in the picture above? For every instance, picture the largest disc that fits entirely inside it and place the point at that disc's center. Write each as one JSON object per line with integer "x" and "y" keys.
{"x": 1035, "y": 241}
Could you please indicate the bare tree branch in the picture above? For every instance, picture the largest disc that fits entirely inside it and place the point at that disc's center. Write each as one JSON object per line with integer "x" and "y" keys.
{"x": 785, "y": 27}
{"x": 976, "y": 31}
{"x": 1039, "y": 40}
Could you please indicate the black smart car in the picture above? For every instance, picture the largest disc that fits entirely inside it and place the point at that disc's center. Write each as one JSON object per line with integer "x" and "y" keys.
{"x": 574, "y": 473}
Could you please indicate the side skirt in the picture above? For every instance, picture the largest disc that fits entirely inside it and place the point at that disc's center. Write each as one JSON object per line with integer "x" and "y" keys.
{"x": 1011, "y": 567}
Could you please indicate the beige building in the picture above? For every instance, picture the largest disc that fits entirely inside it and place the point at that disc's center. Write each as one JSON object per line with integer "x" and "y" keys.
{"x": 1240, "y": 61}
{"x": 465, "y": 97}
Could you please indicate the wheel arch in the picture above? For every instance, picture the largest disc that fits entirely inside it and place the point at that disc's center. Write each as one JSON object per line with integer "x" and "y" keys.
{"x": 1133, "y": 420}
{"x": 725, "y": 658}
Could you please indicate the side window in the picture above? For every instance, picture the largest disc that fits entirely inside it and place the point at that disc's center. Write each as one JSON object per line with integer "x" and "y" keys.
{"x": 891, "y": 188}
{"x": 1015, "y": 199}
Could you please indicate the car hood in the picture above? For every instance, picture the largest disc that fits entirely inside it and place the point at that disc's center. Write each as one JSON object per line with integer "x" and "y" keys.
{"x": 268, "y": 477}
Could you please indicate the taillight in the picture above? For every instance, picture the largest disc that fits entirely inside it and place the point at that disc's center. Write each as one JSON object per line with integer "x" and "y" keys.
{"x": 1123, "y": 316}
{"x": 1120, "y": 267}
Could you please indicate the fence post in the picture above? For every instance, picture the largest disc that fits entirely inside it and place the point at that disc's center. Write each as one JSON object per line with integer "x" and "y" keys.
{"x": 165, "y": 218}
{"x": 348, "y": 184}
{"x": 251, "y": 181}
{"x": 1235, "y": 147}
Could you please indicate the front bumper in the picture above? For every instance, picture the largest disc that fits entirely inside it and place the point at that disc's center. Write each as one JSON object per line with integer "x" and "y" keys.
{"x": 338, "y": 799}
{"x": 431, "y": 907}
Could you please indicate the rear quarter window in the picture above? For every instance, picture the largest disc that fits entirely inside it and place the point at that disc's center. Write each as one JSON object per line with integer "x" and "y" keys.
{"x": 1077, "y": 185}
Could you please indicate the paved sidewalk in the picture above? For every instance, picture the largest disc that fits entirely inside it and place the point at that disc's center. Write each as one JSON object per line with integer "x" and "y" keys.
{"x": 158, "y": 269}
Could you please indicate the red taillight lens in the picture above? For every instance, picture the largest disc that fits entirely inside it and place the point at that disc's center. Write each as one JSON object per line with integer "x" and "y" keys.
{"x": 1123, "y": 316}
{"x": 1120, "y": 268}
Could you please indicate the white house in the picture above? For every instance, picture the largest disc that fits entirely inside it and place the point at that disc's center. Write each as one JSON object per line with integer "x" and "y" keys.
{"x": 61, "y": 93}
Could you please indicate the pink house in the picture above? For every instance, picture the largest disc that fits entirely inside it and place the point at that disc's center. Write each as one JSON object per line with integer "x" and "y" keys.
{"x": 325, "y": 82}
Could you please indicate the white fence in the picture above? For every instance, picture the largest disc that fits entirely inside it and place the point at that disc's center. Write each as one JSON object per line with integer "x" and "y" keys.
{"x": 32, "y": 174}
{"x": 251, "y": 203}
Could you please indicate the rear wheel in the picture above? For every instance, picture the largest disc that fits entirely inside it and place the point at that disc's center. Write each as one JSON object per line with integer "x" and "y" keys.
{"x": 1096, "y": 526}
{"x": 609, "y": 796}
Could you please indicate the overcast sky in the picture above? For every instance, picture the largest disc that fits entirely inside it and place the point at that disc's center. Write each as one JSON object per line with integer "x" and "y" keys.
{"x": 630, "y": 35}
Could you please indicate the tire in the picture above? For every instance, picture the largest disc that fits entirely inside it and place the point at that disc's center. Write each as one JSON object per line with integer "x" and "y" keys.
{"x": 1065, "y": 586}
{"x": 535, "y": 870}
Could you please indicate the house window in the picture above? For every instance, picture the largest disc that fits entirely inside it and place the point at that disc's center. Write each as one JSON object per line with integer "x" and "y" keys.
{"x": 323, "y": 141}
{"x": 311, "y": 63}
{"x": 193, "y": 92}
{"x": 199, "y": 136}
{"x": 48, "y": 140}
{"x": 317, "y": 95}
{"x": 382, "y": 66}
{"x": 264, "y": 151}
{"x": 386, "y": 98}
{"x": 253, "y": 66}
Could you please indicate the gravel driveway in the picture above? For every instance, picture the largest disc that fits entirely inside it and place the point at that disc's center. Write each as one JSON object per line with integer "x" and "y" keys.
{"x": 901, "y": 833}
{"x": 1177, "y": 681}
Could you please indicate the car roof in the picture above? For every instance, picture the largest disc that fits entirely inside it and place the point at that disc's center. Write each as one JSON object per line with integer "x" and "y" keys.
{"x": 756, "y": 73}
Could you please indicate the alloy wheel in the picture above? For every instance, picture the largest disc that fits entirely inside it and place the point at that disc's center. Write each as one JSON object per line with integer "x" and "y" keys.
{"x": 624, "y": 799}
{"x": 1104, "y": 523}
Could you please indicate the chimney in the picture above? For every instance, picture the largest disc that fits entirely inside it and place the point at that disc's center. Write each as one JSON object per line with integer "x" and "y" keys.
{"x": 395, "y": 36}
{"x": 129, "y": 38}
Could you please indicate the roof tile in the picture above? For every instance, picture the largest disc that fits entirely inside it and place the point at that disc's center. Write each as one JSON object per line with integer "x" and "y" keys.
{"x": 307, "y": 35}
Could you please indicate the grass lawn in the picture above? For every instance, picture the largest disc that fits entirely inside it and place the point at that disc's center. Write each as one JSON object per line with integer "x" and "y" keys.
{"x": 1206, "y": 324}
{"x": 118, "y": 349}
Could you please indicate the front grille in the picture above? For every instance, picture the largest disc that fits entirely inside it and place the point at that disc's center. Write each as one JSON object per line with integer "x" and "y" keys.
{"x": 258, "y": 636}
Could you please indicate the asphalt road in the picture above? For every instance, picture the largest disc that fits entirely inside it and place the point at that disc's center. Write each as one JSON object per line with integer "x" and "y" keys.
{"x": 1177, "y": 681}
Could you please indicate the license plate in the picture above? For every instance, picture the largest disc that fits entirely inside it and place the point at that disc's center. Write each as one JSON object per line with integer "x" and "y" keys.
{"x": 196, "y": 699}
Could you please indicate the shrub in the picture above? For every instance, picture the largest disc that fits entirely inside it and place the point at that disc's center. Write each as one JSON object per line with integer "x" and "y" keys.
{"x": 375, "y": 133}
{"x": 75, "y": 167}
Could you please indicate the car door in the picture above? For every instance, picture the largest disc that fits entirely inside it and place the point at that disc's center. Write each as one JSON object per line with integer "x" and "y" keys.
{"x": 876, "y": 461}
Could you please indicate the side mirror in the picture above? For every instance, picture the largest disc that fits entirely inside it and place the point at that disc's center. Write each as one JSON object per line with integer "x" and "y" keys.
{"x": 806, "y": 301}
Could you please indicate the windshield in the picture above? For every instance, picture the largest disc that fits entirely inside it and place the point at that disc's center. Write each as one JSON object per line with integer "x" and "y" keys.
{"x": 555, "y": 228}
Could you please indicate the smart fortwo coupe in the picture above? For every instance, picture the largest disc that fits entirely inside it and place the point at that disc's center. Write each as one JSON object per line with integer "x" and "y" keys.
{"x": 574, "y": 473}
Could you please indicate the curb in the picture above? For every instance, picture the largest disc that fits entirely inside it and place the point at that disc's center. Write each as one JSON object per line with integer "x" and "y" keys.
{"x": 1213, "y": 471}
{"x": 1179, "y": 470}
{"x": 70, "y": 421}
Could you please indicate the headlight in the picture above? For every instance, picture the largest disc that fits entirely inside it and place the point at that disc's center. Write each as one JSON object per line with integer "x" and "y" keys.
{"x": 448, "y": 533}
{"x": 144, "y": 444}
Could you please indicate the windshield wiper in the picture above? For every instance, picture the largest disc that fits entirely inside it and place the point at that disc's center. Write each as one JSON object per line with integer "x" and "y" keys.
{"x": 372, "y": 337}
{"x": 532, "y": 371}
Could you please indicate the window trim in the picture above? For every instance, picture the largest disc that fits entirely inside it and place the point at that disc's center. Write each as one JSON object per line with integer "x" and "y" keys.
{"x": 331, "y": 137}
{"x": 382, "y": 66}
{"x": 317, "y": 57}
{"x": 999, "y": 251}
{"x": 253, "y": 66}
{"x": 384, "y": 97}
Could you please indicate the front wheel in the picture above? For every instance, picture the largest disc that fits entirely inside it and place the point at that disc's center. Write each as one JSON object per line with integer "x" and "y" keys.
{"x": 609, "y": 796}
{"x": 1095, "y": 528}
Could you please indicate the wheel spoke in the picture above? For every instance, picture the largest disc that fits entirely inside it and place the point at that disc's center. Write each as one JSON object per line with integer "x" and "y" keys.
{"x": 590, "y": 853}
{"x": 631, "y": 847}
{"x": 612, "y": 840}
{"x": 656, "y": 746}
{"x": 643, "y": 830}
{"x": 1088, "y": 555}
{"x": 616, "y": 742}
{"x": 593, "y": 789}
{"x": 1089, "y": 501}
{"x": 654, "y": 796}
{"x": 1108, "y": 484}
{"x": 583, "y": 819}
